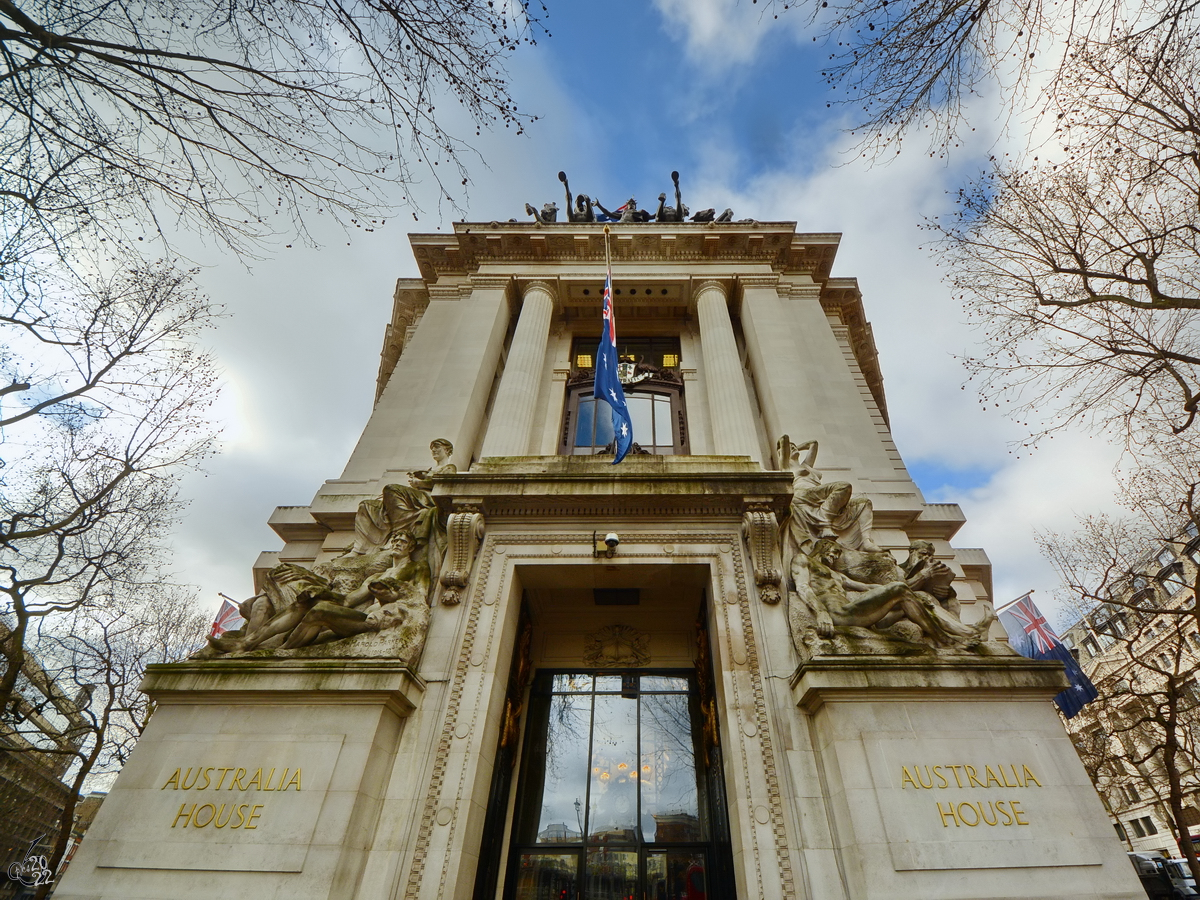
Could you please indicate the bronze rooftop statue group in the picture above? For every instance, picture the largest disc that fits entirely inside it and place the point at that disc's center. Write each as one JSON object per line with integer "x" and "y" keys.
{"x": 583, "y": 208}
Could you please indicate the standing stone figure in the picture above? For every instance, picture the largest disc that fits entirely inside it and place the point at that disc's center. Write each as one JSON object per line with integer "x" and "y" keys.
{"x": 822, "y": 510}
{"x": 407, "y": 508}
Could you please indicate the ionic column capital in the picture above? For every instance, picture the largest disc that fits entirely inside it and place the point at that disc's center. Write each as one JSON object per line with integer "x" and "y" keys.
{"x": 545, "y": 287}
{"x": 710, "y": 285}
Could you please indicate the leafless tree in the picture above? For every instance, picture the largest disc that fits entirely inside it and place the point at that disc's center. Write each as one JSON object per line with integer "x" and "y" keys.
{"x": 102, "y": 655}
{"x": 1084, "y": 273}
{"x": 1142, "y": 731}
{"x": 910, "y": 63}
{"x": 107, "y": 400}
{"x": 236, "y": 117}
{"x": 1133, "y": 580}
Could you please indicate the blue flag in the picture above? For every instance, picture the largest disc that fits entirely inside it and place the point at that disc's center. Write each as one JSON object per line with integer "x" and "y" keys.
{"x": 608, "y": 384}
{"x": 1031, "y": 636}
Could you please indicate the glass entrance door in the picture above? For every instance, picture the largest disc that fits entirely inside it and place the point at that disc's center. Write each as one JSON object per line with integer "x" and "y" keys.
{"x": 616, "y": 797}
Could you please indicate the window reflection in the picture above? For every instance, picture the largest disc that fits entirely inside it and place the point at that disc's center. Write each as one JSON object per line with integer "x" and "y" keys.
{"x": 649, "y": 413}
{"x": 670, "y": 801}
{"x": 613, "y": 805}
{"x": 612, "y": 814}
{"x": 676, "y": 875}
{"x": 565, "y": 769}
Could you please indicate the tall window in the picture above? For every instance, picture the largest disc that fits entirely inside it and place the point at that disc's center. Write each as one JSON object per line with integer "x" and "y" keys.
{"x": 653, "y": 393}
{"x": 616, "y": 797}
{"x": 659, "y": 425}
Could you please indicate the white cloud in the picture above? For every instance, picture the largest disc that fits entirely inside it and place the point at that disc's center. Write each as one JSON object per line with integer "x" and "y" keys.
{"x": 720, "y": 34}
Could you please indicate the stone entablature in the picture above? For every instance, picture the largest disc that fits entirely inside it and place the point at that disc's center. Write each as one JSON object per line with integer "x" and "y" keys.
{"x": 473, "y": 245}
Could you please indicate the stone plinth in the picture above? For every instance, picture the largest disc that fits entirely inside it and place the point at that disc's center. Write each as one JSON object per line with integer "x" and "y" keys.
{"x": 956, "y": 779}
{"x": 253, "y": 778}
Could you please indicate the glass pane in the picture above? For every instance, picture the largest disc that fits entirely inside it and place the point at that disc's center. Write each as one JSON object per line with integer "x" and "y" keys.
{"x": 612, "y": 816}
{"x": 662, "y": 420}
{"x": 604, "y": 429}
{"x": 670, "y": 802}
{"x": 640, "y": 413}
{"x": 663, "y": 683}
{"x": 675, "y": 875}
{"x": 547, "y": 876}
{"x": 583, "y": 424}
{"x": 572, "y": 683}
{"x": 560, "y": 820}
{"x": 608, "y": 683}
{"x": 611, "y": 874}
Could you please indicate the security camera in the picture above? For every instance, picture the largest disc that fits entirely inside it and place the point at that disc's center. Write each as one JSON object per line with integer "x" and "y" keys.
{"x": 610, "y": 544}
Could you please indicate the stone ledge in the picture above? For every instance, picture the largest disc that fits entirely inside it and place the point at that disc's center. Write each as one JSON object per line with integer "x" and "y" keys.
{"x": 871, "y": 678}
{"x": 702, "y": 486}
{"x": 300, "y": 681}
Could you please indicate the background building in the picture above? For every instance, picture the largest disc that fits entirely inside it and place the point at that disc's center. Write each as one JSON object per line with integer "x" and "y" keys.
{"x": 1142, "y": 650}
{"x": 39, "y": 734}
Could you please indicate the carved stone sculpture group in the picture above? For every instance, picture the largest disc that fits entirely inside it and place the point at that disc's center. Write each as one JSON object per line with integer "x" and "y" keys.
{"x": 845, "y": 594}
{"x": 382, "y": 585}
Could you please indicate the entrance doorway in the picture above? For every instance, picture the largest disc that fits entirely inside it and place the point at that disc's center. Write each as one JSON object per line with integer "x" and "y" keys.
{"x": 620, "y": 795}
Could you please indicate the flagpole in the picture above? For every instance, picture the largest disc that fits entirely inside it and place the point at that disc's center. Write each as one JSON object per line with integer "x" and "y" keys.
{"x": 1001, "y": 608}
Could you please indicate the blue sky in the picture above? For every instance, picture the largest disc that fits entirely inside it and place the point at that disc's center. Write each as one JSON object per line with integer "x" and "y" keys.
{"x": 627, "y": 91}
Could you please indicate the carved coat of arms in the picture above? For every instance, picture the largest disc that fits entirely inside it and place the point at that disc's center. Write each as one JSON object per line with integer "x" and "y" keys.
{"x": 617, "y": 645}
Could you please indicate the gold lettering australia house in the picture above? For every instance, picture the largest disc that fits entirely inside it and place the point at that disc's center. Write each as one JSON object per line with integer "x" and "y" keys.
{"x": 746, "y": 662}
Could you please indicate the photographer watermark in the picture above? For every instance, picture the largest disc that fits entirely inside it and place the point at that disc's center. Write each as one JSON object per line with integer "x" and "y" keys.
{"x": 32, "y": 870}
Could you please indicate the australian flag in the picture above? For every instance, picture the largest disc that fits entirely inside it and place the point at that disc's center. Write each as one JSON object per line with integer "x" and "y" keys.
{"x": 608, "y": 384}
{"x": 1031, "y": 635}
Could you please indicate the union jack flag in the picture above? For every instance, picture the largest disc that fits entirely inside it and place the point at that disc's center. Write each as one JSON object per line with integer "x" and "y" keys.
{"x": 1034, "y": 624}
{"x": 1031, "y": 635}
{"x": 228, "y": 618}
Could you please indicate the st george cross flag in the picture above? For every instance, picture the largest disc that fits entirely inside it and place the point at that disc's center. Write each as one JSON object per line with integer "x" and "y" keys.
{"x": 228, "y": 618}
{"x": 1031, "y": 635}
{"x": 608, "y": 384}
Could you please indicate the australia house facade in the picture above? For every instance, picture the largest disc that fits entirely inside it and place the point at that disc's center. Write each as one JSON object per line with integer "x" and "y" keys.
{"x": 748, "y": 661}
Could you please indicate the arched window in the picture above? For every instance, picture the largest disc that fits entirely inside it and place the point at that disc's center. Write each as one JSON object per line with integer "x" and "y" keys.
{"x": 653, "y": 393}
{"x": 655, "y": 409}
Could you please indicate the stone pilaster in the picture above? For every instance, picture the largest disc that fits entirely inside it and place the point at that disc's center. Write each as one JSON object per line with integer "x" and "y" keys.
{"x": 513, "y": 412}
{"x": 733, "y": 425}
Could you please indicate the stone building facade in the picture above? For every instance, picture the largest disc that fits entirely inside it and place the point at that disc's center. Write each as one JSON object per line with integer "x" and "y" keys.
{"x": 745, "y": 662}
{"x": 1144, "y": 647}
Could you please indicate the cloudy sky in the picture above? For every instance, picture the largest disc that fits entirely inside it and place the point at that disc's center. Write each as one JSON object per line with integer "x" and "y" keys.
{"x": 625, "y": 92}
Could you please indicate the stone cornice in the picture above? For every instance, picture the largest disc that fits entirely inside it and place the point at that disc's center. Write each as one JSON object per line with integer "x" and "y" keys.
{"x": 858, "y": 679}
{"x": 842, "y": 298}
{"x": 474, "y": 244}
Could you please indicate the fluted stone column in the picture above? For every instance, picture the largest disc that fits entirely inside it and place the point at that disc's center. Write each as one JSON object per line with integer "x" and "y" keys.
{"x": 516, "y": 398}
{"x": 734, "y": 430}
